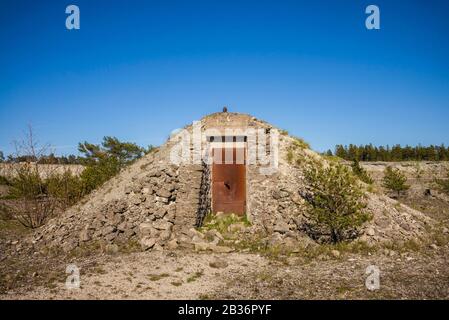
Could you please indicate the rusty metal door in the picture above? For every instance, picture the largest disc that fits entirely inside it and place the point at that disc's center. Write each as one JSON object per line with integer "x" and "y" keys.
{"x": 229, "y": 180}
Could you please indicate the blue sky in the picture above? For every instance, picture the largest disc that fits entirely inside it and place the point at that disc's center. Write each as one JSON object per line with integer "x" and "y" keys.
{"x": 139, "y": 69}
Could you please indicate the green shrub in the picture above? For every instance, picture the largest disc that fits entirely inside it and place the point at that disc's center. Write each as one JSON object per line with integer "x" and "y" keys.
{"x": 336, "y": 202}
{"x": 34, "y": 206}
{"x": 95, "y": 174}
{"x": 444, "y": 184}
{"x": 299, "y": 142}
{"x": 65, "y": 187}
{"x": 394, "y": 180}
{"x": 105, "y": 161}
{"x": 4, "y": 181}
{"x": 360, "y": 172}
{"x": 221, "y": 224}
{"x": 290, "y": 156}
{"x": 27, "y": 183}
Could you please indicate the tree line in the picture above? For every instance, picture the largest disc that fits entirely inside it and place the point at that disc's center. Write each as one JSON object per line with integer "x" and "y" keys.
{"x": 85, "y": 148}
{"x": 397, "y": 152}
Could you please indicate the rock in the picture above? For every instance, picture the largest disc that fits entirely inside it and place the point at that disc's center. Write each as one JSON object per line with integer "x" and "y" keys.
{"x": 69, "y": 245}
{"x": 122, "y": 226}
{"x": 170, "y": 217}
{"x": 85, "y": 235}
{"x": 158, "y": 247}
{"x": 110, "y": 237}
{"x": 202, "y": 246}
{"x": 117, "y": 220}
{"x": 218, "y": 235}
{"x": 147, "y": 243}
{"x": 128, "y": 233}
{"x": 149, "y": 203}
{"x": 172, "y": 244}
{"x": 136, "y": 189}
{"x": 162, "y": 199}
{"x": 281, "y": 227}
{"x": 165, "y": 235}
{"x": 276, "y": 194}
{"x": 197, "y": 239}
{"x": 164, "y": 193}
{"x": 220, "y": 249}
{"x": 193, "y": 232}
{"x": 279, "y": 194}
{"x": 145, "y": 190}
{"x": 136, "y": 200}
{"x": 120, "y": 206}
{"x": 108, "y": 230}
{"x": 215, "y": 241}
{"x": 382, "y": 223}
{"x": 112, "y": 248}
{"x": 370, "y": 231}
{"x": 213, "y": 235}
{"x": 236, "y": 227}
{"x": 219, "y": 215}
{"x": 445, "y": 230}
{"x": 145, "y": 229}
{"x": 160, "y": 212}
{"x": 218, "y": 263}
{"x": 154, "y": 173}
{"x": 291, "y": 244}
{"x": 335, "y": 253}
{"x": 434, "y": 246}
{"x": 162, "y": 225}
{"x": 275, "y": 240}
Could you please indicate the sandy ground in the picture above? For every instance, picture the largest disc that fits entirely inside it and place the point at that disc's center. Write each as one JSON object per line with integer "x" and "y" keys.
{"x": 190, "y": 275}
{"x": 155, "y": 275}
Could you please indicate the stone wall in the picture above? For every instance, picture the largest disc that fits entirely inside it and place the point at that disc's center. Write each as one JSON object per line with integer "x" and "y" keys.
{"x": 205, "y": 194}
{"x": 188, "y": 200}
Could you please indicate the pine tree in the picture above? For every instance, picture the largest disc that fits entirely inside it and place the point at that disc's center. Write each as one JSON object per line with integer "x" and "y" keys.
{"x": 361, "y": 173}
{"x": 336, "y": 201}
{"x": 394, "y": 180}
{"x": 340, "y": 151}
{"x": 353, "y": 152}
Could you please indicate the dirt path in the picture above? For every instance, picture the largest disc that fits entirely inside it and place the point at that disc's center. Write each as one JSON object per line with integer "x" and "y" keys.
{"x": 155, "y": 275}
{"x": 189, "y": 275}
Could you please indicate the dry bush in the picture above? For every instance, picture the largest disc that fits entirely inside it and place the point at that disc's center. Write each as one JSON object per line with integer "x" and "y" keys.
{"x": 35, "y": 211}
